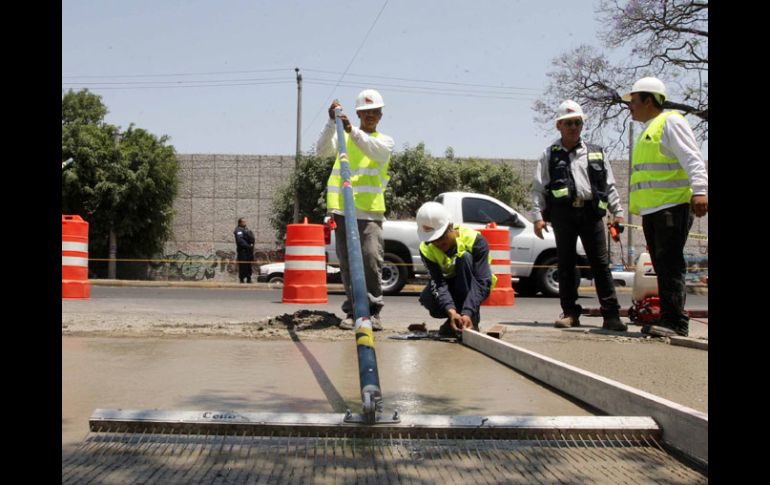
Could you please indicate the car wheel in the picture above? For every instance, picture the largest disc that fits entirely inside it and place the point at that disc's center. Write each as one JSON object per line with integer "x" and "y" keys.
{"x": 275, "y": 281}
{"x": 547, "y": 279}
{"x": 394, "y": 274}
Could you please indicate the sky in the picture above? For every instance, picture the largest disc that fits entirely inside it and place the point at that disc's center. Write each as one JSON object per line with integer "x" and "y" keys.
{"x": 219, "y": 76}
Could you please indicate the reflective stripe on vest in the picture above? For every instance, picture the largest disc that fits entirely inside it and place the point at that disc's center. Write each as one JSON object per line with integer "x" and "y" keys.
{"x": 656, "y": 179}
{"x": 368, "y": 178}
{"x": 464, "y": 241}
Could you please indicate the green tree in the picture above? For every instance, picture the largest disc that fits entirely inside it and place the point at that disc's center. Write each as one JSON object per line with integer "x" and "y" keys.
{"x": 415, "y": 177}
{"x": 124, "y": 184}
{"x": 311, "y": 179}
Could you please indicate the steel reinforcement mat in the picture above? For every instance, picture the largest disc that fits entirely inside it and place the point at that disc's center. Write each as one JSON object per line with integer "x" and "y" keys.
{"x": 121, "y": 458}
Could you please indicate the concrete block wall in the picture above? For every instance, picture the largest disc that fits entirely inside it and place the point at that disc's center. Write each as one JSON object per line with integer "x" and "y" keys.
{"x": 217, "y": 189}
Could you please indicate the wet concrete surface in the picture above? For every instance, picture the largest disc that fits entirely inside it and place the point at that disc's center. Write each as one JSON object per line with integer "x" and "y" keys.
{"x": 228, "y": 370}
{"x": 422, "y": 377}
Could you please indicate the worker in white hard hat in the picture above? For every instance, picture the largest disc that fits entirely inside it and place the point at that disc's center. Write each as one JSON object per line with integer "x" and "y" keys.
{"x": 573, "y": 188}
{"x": 369, "y": 154}
{"x": 669, "y": 185}
{"x": 457, "y": 259}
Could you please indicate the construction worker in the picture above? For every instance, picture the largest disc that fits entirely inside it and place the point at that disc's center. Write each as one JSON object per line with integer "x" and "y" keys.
{"x": 458, "y": 260}
{"x": 244, "y": 245}
{"x": 572, "y": 189}
{"x": 668, "y": 185}
{"x": 369, "y": 157}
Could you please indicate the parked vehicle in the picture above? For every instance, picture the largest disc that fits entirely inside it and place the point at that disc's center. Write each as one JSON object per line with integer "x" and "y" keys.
{"x": 533, "y": 259}
{"x": 273, "y": 273}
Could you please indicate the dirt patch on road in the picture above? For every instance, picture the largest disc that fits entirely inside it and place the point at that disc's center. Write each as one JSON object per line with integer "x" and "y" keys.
{"x": 305, "y": 324}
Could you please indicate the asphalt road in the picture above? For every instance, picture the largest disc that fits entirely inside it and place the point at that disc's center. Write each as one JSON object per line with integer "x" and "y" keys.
{"x": 263, "y": 302}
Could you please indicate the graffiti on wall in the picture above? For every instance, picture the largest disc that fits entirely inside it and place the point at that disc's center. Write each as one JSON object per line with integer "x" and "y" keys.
{"x": 191, "y": 267}
{"x": 194, "y": 267}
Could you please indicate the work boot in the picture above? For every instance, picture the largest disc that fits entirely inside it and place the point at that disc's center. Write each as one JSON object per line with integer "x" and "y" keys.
{"x": 376, "y": 324}
{"x": 612, "y": 322}
{"x": 348, "y": 323}
{"x": 567, "y": 321}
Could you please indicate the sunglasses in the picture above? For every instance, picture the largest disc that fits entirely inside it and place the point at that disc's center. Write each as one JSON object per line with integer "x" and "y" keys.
{"x": 571, "y": 123}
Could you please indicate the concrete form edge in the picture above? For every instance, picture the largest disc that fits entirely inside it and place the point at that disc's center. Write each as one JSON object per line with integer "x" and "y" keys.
{"x": 684, "y": 428}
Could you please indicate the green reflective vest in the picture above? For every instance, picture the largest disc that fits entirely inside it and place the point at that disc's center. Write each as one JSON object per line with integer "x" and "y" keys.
{"x": 368, "y": 178}
{"x": 656, "y": 179}
{"x": 447, "y": 264}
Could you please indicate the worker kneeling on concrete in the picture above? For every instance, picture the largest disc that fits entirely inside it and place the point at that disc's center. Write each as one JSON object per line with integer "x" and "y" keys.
{"x": 458, "y": 260}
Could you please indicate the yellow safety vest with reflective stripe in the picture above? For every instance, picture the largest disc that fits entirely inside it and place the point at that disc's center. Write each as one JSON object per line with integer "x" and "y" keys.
{"x": 368, "y": 178}
{"x": 656, "y": 179}
{"x": 464, "y": 241}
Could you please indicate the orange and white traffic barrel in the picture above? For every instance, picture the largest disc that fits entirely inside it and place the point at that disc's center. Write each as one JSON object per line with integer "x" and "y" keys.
{"x": 74, "y": 258}
{"x": 500, "y": 250}
{"x": 304, "y": 276}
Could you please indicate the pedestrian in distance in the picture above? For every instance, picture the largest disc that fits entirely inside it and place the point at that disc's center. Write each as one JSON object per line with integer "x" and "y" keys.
{"x": 244, "y": 246}
{"x": 669, "y": 185}
{"x": 457, "y": 259}
{"x": 369, "y": 153}
{"x": 573, "y": 187}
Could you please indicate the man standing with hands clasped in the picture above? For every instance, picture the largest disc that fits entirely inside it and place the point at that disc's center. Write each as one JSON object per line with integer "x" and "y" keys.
{"x": 668, "y": 185}
{"x": 572, "y": 189}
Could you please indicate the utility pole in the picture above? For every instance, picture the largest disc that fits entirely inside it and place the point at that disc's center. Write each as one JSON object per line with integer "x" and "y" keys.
{"x": 630, "y": 232}
{"x": 113, "y": 250}
{"x": 297, "y": 153}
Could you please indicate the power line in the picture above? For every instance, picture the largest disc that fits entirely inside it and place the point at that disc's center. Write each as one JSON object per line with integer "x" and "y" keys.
{"x": 438, "y": 92}
{"x": 177, "y": 82}
{"x": 429, "y": 88}
{"x": 428, "y": 81}
{"x": 181, "y": 73}
{"x": 100, "y": 87}
{"x": 348, "y": 67}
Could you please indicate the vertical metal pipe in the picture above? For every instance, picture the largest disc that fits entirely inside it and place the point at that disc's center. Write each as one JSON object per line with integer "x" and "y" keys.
{"x": 297, "y": 152}
{"x": 371, "y": 395}
{"x": 630, "y": 232}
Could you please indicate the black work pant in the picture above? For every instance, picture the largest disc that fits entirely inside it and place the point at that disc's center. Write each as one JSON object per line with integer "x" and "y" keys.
{"x": 459, "y": 287}
{"x": 244, "y": 267}
{"x": 666, "y": 234}
{"x": 568, "y": 224}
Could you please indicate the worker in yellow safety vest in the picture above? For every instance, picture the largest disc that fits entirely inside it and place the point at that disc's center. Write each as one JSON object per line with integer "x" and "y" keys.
{"x": 668, "y": 185}
{"x": 369, "y": 157}
{"x": 457, "y": 259}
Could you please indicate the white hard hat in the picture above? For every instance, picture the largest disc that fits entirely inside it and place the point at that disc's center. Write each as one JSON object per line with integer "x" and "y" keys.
{"x": 569, "y": 109}
{"x": 432, "y": 221}
{"x": 647, "y": 85}
{"x": 369, "y": 99}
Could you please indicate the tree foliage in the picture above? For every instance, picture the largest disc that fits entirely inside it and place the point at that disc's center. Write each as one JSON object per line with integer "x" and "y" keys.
{"x": 667, "y": 39}
{"x": 126, "y": 183}
{"x": 415, "y": 177}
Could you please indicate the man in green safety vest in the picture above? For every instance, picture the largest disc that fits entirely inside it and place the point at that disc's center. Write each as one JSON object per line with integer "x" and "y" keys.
{"x": 458, "y": 261}
{"x": 369, "y": 157}
{"x": 668, "y": 185}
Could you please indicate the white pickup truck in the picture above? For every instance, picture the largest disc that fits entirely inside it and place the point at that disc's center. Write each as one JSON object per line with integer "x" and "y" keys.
{"x": 402, "y": 253}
